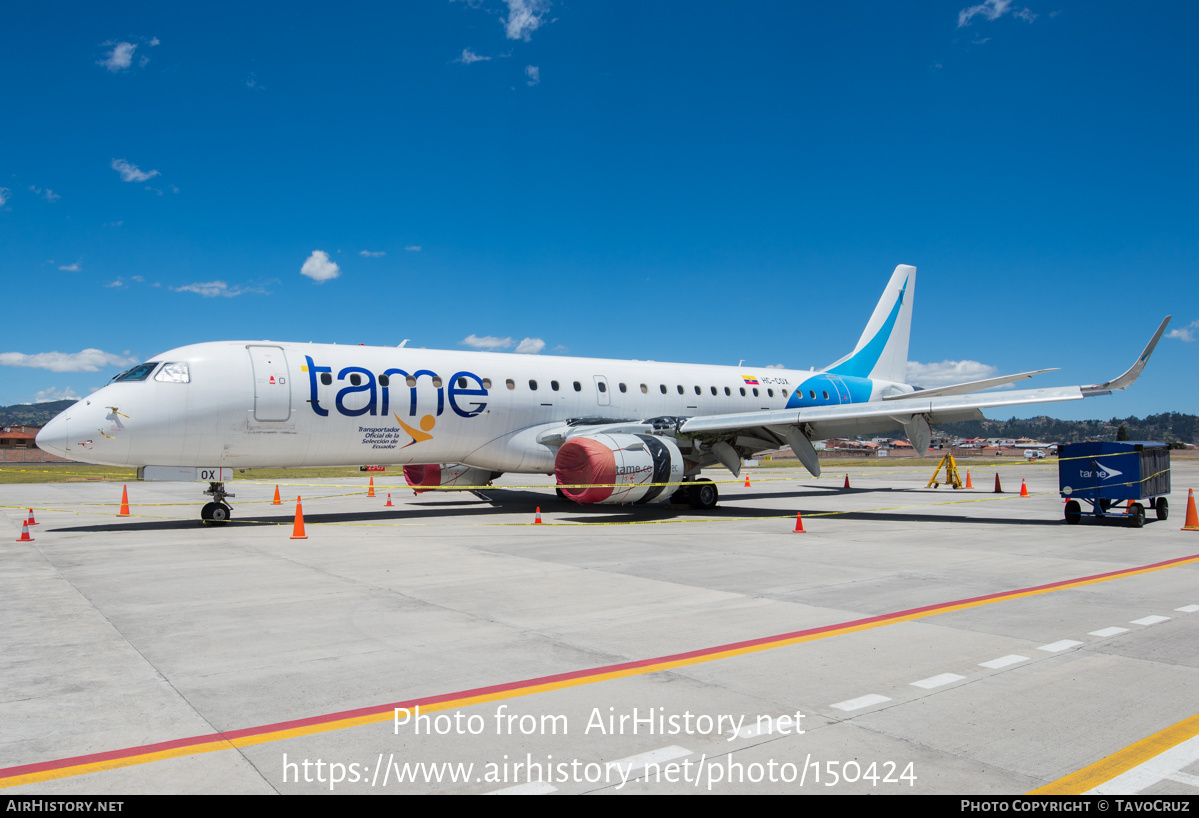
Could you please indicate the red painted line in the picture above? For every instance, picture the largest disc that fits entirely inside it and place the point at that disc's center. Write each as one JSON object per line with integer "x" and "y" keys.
{"x": 374, "y": 710}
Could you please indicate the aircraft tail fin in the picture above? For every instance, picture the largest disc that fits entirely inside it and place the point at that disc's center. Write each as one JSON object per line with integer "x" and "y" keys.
{"x": 882, "y": 351}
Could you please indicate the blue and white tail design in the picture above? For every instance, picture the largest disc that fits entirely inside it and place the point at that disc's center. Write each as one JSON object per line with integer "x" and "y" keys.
{"x": 882, "y": 351}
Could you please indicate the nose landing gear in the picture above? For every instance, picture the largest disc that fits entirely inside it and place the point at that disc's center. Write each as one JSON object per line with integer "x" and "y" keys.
{"x": 218, "y": 511}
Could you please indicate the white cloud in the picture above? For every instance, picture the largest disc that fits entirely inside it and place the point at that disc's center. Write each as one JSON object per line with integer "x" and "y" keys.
{"x": 208, "y": 289}
{"x": 120, "y": 58}
{"x": 71, "y": 268}
{"x": 487, "y": 342}
{"x": 469, "y": 57}
{"x": 524, "y": 17}
{"x": 372, "y": 254}
{"x": 533, "y": 73}
{"x": 413, "y": 248}
{"x": 47, "y": 194}
{"x": 527, "y": 346}
{"x": 775, "y": 366}
{"x": 992, "y": 10}
{"x": 52, "y": 394}
{"x": 947, "y": 373}
{"x": 130, "y": 172}
{"x": 1186, "y": 333}
{"x": 319, "y": 268}
{"x": 4, "y": 195}
{"x": 530, "y": 346}
{"x": 88, "y": 360}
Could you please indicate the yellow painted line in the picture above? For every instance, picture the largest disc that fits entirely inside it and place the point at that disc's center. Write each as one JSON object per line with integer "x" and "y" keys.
{"x": 62, "y": 768}
{"x": 1122, "y": 761}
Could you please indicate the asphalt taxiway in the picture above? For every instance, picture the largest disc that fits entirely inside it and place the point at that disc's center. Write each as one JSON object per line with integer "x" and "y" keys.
{"x": 910, "y": 641}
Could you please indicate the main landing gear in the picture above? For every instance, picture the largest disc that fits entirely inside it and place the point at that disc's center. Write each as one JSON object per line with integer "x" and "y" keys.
{"x": 218, "y": 511}
{"x": 699, "y": 494}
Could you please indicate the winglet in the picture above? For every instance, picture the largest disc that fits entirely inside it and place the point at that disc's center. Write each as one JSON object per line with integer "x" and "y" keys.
{"x": 1129, "y": 378}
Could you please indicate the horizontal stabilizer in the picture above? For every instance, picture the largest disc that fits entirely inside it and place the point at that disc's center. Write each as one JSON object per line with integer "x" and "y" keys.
{"x": 972, "y": 386}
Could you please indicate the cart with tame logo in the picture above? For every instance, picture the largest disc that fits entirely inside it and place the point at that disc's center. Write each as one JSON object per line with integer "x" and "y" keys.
{"x": 1113, "y": 478}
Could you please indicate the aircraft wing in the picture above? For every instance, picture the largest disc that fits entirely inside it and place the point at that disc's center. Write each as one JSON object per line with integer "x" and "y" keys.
{"x": 915, "y": 412}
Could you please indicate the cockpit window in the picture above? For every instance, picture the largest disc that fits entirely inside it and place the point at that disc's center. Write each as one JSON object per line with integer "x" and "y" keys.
{"x": 138, "y": 373}
{"x": 174, "y": 373}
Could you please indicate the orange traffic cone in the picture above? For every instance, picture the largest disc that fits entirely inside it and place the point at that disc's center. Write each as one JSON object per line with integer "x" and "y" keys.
{"x": 846, "y": 482}
{"x": 388, "y": 503}
{"x": 998, "y": 489}
{"x": 798, "y": 525}
{"x": 1192, "y": 521}
{"x": 276, "y": 501}
{"x": 370, "y": 492}
{"x": 31, "y": 520}
{"x": 537, "y": 519}
{"x": 124, "y": 512}
{"x": 25, "y": 533}
{"x": 969, "y": 485}
{"x": 297, "y": 529}
{"x": 1023, "y": 488}
{"x": 747, "y": 480}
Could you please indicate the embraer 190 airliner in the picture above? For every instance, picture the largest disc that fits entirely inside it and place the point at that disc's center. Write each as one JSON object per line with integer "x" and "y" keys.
{"x": 610, "y": 431}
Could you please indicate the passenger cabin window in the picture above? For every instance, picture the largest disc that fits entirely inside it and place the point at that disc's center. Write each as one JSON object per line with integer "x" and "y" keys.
{"x": 326, "y": 379}
{"x": 825, "y": 395}
{"x": 728, "y": 392}
{"x": 770, "y": 392}
{"x": 554, "y": 385}
{"x": 462, "y": 383}
{"x": 644, "y": 389}
{"x": 623, "y": 388}
{"x": 511, "y": 384}
{"x": 743, "y": 391}
{"x": 578, "y": 387}
{"x": 487, "y": 383}
{"x": 533, "y": 385}
{"x": 410, "y": 381}
{"x": 139, "y": 372}
{"x": 174, "y": 373}
{"x": 663, "y": 386}
{"x": 755, "y": 391}
{"x": 603, "y": 387}
{"x": 384, "y": 380}
{"x": 812, "y": 394}
{"x": 355, "y": 378}
{"x": 680, "y": 388}
{"x": 698, "y": 391}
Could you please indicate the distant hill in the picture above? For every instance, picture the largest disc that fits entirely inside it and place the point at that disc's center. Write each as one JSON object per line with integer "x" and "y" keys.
{"x": 1165, "y": 428}
{"x": 32, "y": 414}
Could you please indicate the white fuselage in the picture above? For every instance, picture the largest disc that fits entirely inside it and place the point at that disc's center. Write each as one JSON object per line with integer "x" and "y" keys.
{"x": 256, "y": 404}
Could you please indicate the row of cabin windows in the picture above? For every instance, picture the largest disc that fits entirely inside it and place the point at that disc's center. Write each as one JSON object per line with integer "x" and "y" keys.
{"x": 356, "y": 379}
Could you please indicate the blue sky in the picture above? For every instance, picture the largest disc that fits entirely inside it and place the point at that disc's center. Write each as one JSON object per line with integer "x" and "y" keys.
{"x": 682, "y": 181}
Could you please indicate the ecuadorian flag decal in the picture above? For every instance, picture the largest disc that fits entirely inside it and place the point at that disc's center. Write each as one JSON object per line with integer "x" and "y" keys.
{"x": 750, "y": 380}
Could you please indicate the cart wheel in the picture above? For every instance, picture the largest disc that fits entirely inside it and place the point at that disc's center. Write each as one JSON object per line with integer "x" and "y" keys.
{"x": 1073, "y": 512}
{"x": 1162, "y": 507}
{"x": 1136, "y": 515}
{"x": 936, "y": 485}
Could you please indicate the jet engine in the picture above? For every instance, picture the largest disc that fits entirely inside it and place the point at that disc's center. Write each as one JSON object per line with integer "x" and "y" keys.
{"x": 424, "y": 478}
{"x": 618, "y": 468}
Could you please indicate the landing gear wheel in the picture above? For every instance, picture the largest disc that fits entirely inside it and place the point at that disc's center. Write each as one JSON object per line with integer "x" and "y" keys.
{"x": 215, "y": 514}
{"x": 703, "y": 495}
{"x": 1073, "y": 512}
{"x": 1162, "y": 508}
{"x": 561, "y": 494}
{"x": 1136, "y": 515}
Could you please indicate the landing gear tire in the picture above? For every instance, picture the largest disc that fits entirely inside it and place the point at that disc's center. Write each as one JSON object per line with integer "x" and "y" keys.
{"x": 561, "y": 494}
{"x": 1162, "y": 507}
{"x": 215, "y": 514}
{"x": 1073, "y": 512}
{"x": 703, "y": 495}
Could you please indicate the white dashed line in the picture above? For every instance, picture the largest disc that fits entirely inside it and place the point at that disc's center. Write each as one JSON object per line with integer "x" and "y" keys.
{"x": 534, "y": 788}
{"x": 1108, "y": 632}
{"x": 1057, "y": 647}
{"x": 938, "y": 681}
{"x": 1150, "y": 620}
{"x": 1003, "y": 661}
{"x": 860, "y": 702}
{"x": 783, "y": 724}
{"x": 633, "y": 763}
{"x": 1188, "y": 608}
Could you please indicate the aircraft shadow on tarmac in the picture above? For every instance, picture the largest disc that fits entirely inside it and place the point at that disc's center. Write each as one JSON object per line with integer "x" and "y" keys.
{"x": 485, "y": 505}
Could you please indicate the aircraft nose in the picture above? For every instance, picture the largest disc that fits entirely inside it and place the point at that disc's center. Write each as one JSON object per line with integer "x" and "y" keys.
{"x": 53, "y": 437}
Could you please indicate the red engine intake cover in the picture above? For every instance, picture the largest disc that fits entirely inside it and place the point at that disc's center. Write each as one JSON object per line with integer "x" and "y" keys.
{"x": 583, "y": 460}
